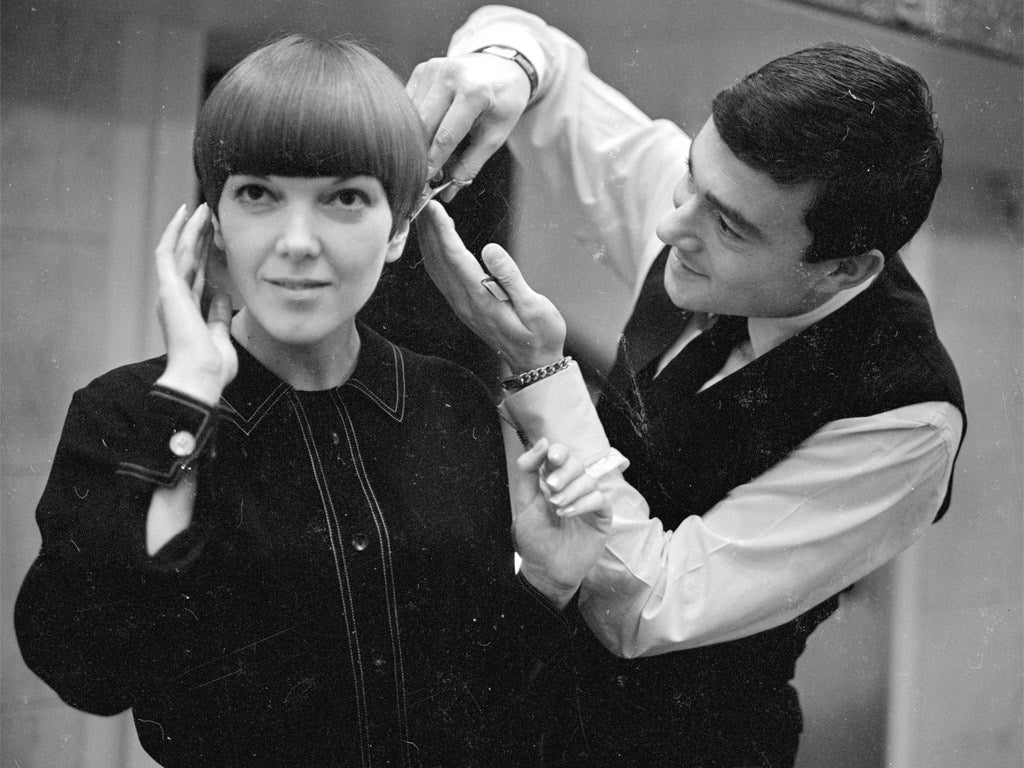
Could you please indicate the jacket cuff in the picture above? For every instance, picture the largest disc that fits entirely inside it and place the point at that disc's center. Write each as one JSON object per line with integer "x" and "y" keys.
{"x": 547, "y": 631}
{"x": 173, "y": 431}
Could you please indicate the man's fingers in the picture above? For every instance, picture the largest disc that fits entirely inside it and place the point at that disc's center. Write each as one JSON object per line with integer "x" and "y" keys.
{"x": 487, "y": 138}
{"x": 451, "y": 267}
{"x": 455, "y": 124}
{"x": 430, "y": 95}
{"x": 504, "y": 269}
{"x": 449, "y": 246}
{"x": 414, "y": 83}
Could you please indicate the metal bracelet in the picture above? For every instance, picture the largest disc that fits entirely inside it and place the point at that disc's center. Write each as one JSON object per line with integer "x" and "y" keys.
{"x": 529, "y": 377}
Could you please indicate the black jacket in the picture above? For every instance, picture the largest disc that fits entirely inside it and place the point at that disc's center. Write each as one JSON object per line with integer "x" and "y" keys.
{"x": 344, "y": 596}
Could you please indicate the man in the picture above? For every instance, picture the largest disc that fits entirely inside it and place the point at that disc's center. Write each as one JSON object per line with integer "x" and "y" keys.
{"x": 797, "y": 424}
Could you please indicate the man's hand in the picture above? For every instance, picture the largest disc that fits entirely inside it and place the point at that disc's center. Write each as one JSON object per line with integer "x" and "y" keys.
{"x": 527, "y": 330}
{"x": 200, "y": 358}
{"x": 478, "y": 95}
{"x": 561, "y": 523}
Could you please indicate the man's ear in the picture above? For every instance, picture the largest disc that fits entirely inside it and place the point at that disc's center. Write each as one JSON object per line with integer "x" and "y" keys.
{"x": 397, "y": 243}
{"x": 218, "y": 236}
{"x": 851, "y": 271}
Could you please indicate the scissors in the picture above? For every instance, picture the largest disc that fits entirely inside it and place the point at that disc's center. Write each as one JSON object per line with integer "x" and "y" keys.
{"x": 429, "y": 193}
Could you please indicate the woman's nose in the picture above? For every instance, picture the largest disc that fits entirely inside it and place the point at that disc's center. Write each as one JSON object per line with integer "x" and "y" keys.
{"x": 298, "y": 239}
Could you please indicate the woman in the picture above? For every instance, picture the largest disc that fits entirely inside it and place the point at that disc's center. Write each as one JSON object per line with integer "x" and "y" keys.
{"x": 285, "y": 542}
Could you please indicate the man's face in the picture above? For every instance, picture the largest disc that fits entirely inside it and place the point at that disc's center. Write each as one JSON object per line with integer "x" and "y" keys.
{"x": 738, "y": 239}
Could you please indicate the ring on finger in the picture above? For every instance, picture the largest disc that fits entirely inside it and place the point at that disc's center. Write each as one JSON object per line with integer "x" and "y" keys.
{"x": 494, "y": 288}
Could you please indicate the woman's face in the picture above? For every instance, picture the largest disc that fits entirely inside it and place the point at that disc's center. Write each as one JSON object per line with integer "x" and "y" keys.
{"x": 305, "y": 254}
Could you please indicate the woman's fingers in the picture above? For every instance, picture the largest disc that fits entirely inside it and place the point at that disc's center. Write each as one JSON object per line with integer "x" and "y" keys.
{"x": 167, "y": 246}
{"x": 190, "y": 242}
{"x": 533, "y": 459}
{"x": 593, "y": 503}
{"x": 219, "y": 317}
{"x": 218, "y": 320}
{"x": 180, "y": 253}
{"x": 570, "y": 492}
{"x": 563, "y": 477}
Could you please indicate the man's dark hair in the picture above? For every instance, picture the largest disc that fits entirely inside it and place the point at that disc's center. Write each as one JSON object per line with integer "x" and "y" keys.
{"x": 857, "y": 123}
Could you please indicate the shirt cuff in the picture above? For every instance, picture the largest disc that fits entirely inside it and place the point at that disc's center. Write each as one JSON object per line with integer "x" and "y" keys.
{"x": 173, "y": 431}
{"x": 559, "y": 408}
{"x": 518, "y": 30}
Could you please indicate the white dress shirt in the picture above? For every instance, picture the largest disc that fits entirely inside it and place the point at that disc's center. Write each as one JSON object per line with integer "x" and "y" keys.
{"x": 850, "y": 497}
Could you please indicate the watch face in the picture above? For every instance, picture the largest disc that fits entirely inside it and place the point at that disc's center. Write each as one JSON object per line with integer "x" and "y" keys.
{"x": 506, "y": 53}
{"x": 515, "y": 56}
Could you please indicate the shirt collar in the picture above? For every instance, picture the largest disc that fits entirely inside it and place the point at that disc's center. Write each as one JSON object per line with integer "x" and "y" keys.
{"x": 379, "y": 375}
{"x": 766, "y": 333}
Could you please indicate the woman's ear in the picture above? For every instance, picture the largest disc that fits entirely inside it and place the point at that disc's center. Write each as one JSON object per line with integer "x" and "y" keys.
{"x": 397, "y": 243}
{"x": 218, "y": 236}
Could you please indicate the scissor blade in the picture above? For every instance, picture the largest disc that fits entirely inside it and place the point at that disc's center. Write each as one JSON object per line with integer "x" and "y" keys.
{"x": 429, "y": 194}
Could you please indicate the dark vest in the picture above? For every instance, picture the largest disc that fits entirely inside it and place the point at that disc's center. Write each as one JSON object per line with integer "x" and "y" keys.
{"x": 730, "y": 704}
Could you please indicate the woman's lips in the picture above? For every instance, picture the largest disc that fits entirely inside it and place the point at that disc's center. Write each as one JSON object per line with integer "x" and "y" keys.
{"x": 297, "y": 284}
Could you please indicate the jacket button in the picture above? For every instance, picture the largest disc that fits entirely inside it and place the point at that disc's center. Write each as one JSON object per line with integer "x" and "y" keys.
{"x": 182, "y": 443}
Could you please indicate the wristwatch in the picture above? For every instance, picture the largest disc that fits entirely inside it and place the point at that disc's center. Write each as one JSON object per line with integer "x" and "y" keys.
{"x": 513, "y": 55}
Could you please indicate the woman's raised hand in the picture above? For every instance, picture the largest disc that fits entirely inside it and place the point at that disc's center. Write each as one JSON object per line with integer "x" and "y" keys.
{"x": 200, "y": 358}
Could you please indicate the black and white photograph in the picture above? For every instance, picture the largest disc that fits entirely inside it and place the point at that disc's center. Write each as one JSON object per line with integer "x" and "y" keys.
{"x": 551, "y": 384}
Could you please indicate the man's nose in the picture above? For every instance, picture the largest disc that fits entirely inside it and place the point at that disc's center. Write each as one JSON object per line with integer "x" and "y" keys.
{"x": 679, "y": 227}
{"x": 298, "y": 239}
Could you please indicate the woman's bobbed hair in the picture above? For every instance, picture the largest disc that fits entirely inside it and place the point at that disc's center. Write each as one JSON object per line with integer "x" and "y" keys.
{"x": 305, "y": 107}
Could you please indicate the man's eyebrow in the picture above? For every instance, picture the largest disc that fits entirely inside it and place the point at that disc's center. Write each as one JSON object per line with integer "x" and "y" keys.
{"x": 742, "y": 222}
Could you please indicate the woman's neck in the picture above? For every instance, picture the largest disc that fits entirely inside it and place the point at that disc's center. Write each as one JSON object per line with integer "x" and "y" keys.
{"x": 311, "y": 367}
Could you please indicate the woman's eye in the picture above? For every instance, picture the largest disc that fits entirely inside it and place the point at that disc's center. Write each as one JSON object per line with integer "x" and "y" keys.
{"x": 252, "y": 193}
{"x": 349, "y": 198}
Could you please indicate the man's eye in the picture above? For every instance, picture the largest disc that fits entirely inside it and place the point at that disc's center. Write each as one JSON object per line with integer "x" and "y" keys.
{"x": 726, "y": 230}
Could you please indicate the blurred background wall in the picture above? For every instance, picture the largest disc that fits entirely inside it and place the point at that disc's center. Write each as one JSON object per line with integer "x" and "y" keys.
{"x": 97, "y": 101}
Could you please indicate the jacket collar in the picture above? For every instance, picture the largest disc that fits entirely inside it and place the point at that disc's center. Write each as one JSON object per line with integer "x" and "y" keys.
{"x": 379, "y": 376}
